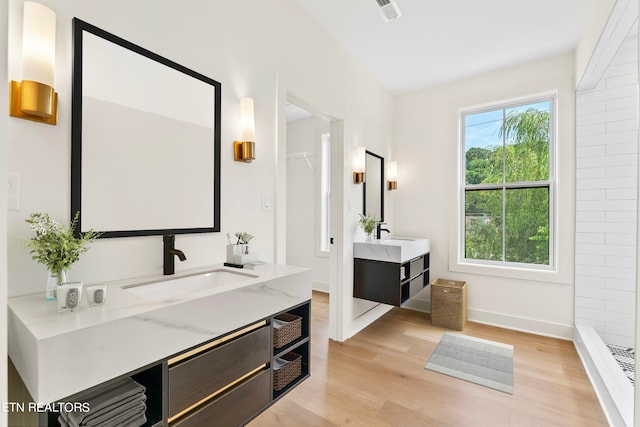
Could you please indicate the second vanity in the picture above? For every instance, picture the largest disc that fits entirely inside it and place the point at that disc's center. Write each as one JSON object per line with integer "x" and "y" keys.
{"x": 390, "y": 271}
{"x": 203, "y": 352}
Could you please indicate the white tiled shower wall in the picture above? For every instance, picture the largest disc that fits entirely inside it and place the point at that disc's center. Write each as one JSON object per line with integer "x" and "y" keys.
{"x": 606, "y": 194}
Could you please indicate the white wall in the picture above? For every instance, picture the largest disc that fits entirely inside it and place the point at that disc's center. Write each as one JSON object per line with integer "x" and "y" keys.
{"x": 254, "y": 48}
{"x": 606, "y": 199}
{"x": 4, "y": 142}
{"x": 426, "y": 203}
{"x": 596, "y": 20}
{"x": 303, "y": 199}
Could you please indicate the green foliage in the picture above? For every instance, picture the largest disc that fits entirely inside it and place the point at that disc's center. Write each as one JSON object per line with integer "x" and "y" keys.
{"x": 510, "y": 224}
{"x": 55, "y": 245}
{"x": 368, "y": 223}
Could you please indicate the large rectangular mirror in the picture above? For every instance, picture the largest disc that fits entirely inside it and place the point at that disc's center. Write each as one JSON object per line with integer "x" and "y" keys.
{"x": 145, "y": 140}
{"x": 373, "y": 187}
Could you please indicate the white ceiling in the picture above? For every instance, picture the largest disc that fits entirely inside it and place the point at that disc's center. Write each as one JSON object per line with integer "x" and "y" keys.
{"x": 438, "y": 41}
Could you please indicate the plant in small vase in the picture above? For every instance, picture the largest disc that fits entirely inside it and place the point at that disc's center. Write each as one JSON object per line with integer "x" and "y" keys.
{"x": 243, "y": 239}
{"x": 56, "y": 247}
{"x": 368, "y": 224}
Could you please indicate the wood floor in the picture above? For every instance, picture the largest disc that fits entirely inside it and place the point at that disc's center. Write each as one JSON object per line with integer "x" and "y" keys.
{"x": 377, "y": 378}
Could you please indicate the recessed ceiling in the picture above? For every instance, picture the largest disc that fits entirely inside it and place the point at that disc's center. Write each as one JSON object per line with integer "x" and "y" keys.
{"x": 439, "y": 41}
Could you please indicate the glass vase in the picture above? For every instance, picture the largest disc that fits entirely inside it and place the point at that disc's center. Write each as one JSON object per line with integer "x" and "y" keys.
{"x": 55, "y": 279}
{"x": 369, "y": 237}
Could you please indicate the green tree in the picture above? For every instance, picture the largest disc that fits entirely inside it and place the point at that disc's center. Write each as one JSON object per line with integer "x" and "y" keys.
{"x": 522, "y": 211}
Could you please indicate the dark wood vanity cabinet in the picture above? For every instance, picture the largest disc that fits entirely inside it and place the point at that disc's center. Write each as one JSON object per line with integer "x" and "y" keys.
{"x": 223, "y": 382}
{"x": 389, "y": 282}
{"x": 229, "y": 381}
{"x": 211, "y": 381}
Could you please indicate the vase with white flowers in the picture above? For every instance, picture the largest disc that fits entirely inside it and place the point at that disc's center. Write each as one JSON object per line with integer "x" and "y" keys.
{"x": 56, "y": 246}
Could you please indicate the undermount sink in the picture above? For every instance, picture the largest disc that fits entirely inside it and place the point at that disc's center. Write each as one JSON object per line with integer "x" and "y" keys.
{"x": 175, "y": 287}
{"x": 392, "y": 249}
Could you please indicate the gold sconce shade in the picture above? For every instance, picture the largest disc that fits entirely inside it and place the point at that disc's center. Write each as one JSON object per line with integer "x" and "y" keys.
{"x": 33, "y": 101}
{"x": 33, "y": 98}
{"x": 358, "y": 177}
{"x": 244, "y": 151}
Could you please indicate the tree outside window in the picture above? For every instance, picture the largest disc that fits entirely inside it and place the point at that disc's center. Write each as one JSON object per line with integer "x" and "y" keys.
{"x": 508, "y": 183}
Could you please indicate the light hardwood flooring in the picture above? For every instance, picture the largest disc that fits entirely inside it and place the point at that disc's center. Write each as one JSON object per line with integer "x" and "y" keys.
{"x": 377, "y": 378}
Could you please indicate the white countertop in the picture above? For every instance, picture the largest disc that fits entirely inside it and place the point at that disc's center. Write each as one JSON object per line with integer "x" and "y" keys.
{"x": 60, "y": 354}
{"x": 394, "y": 249}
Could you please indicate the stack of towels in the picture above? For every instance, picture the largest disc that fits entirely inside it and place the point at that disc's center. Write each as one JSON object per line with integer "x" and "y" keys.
{"x": 117, "y": 404}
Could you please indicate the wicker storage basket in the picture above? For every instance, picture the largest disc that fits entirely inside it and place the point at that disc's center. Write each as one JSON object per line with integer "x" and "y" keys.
{"x": 291, "y": 331}
{"x": 449, "y": 304}
{"x": 287, "y": 373}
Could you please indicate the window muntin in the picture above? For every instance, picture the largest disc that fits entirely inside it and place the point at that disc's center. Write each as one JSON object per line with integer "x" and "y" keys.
{"x": 508, "y": 184}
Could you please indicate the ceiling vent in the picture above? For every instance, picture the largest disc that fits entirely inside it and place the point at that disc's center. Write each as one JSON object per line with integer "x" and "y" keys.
{"x": 389, "y": 10}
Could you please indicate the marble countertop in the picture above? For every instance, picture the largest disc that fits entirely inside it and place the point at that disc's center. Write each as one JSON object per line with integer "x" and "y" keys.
{"x": 394, "y": 249}
{"x": 60, "y": 354}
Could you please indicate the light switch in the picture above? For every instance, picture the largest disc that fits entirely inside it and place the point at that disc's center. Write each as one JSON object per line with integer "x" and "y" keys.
{"x": 267, "y": 202}
{"x": 13, "y": 192}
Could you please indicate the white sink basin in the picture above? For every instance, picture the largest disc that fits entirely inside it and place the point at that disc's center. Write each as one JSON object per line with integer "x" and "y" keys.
{"x": 176, "y": 287}
{"x": 392, "y": 249}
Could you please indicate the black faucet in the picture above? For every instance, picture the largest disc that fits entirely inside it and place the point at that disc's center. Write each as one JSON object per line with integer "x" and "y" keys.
{"x": 379, "y": 230}
{"x": 170, "y": 252}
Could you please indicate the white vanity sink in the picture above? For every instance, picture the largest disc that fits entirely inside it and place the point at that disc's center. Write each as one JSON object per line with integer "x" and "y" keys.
{"x": 392, "y": 249}
{"x": 173, "y": 287}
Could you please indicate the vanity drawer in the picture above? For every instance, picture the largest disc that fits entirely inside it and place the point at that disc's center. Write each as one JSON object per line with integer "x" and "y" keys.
{"x": 199, "y": 377}
{"x": 234, "y": 407}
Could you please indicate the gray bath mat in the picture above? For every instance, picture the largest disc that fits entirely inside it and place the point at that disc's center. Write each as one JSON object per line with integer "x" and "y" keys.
{"x": 475, "y": 360}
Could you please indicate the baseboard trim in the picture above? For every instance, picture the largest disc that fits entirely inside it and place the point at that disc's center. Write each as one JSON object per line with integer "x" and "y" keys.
{"x": 317, "y": 285}
{"x": 522, "y": 324}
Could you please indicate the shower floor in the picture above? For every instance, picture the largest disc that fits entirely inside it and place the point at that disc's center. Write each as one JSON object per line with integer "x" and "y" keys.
{"x": 626, "y": 358}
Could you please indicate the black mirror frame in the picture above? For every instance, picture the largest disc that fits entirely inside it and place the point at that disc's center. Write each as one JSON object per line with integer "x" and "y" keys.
{"x": 79, "y": 27}
{"x": 364, "y": 186}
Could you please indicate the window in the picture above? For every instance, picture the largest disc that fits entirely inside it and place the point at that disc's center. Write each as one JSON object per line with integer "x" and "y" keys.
{"x": 508, "y": 184}
{"x": 325, "y": 190}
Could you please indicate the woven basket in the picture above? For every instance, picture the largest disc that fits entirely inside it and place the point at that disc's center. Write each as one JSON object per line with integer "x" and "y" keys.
{"x": 289, "y": 332}
{"x": 449, "y": 304}
{"x": 289, "y": 372}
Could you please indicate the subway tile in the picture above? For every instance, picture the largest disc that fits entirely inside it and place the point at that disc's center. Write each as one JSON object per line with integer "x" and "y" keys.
{"x": 626, "y": 285}
{"x": 592, "y": 249}
{"x": 622, "y": 126}
{"x": 590, "y": 259}
{"x": 629, "y": 217}
{"x": 621, "y": 194}
{"x": 621, "y": 261}
{"x": 590, "y": 238}
{"x": 591, "y": 194}
{"x": 620, "y": 250}
{"x": 590, "y": 303}
{"x": 623, "y": 239}
{"x": 591, "y": 216}
{"x": 591, "y": 282}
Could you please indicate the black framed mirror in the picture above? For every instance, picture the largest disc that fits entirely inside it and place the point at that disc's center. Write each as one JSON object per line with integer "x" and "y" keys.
{"x": 373, "y": 186}
{"x": 145, "y": 144}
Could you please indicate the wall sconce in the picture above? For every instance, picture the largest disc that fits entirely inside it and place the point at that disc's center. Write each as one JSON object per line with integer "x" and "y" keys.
{"x": 392, "y": 176}
{"x": 244, "y": 151}
{"x": 360, "y": 165}
{"x": 34, "y": 98}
